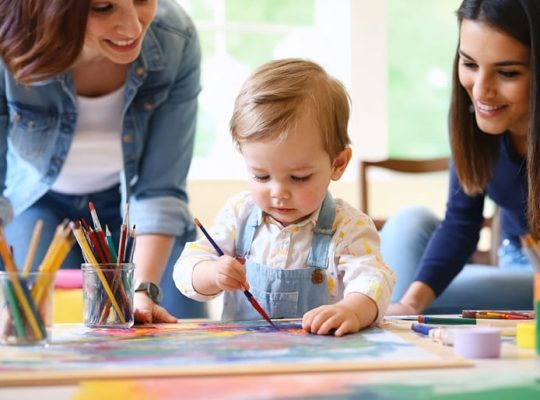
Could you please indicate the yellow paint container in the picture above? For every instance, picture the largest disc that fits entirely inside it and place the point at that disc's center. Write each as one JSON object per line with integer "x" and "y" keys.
{"x": 526, "y": 335}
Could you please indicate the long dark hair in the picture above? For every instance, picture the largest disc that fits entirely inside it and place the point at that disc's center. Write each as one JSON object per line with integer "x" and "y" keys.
{"x": 41, "y": 38}
{"x": 474, "y": 152}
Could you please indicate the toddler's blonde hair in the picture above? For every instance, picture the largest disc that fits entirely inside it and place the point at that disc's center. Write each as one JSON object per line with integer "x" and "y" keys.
{"x": 278, "y": 93}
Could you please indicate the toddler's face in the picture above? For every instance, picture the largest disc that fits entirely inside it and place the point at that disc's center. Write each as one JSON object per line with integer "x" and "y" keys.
{"x": 289, "y": 178}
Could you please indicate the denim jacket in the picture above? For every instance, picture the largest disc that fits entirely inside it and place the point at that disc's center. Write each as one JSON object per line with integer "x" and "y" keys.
{"x": 37, "y": 124}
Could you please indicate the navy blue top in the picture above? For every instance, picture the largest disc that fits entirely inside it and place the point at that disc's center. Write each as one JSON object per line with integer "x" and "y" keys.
{"x": 456, "y": 238}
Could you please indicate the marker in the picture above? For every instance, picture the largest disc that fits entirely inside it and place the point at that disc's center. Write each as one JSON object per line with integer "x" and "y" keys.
{"x": 446, "y": 320}
{"x": 422, "y": 329}
{"x": 440, "y": 335}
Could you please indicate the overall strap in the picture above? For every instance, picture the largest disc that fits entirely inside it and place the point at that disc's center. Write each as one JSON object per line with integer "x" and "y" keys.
{"x": 246, "y": 233}
{"x": 322, "y": 234}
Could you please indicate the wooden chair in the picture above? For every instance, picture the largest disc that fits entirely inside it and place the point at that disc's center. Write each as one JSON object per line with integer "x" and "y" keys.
{"x": 487, "y": 257}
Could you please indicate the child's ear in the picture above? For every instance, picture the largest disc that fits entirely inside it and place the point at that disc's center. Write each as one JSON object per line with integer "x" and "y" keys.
{"x": 340, "y": 163}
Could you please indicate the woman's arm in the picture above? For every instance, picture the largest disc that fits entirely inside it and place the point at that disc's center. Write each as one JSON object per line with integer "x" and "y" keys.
{"x": 414, "y": 301}
{"x": 150, "y": 257}
{"x": 158, "y": 202}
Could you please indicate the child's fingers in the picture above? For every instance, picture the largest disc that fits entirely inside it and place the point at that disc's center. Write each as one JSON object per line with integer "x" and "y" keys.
{"x": 313, "y": 319}
{"x": 307, "y": 319}
{"x": 344, "y": 328}
{"x": 227, "y": 282}
{"x": 329, "y": 325}
{"x": 231, "y": 273}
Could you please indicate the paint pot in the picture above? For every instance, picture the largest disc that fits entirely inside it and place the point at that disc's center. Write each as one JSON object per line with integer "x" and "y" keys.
{"x": 477, "y": 342}
{"x": 526, "y": 335}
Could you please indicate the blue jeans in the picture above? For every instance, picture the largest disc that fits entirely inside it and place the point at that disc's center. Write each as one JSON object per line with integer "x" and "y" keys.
{"x": 404, "y": 238}
{"x": 53, "y": 208}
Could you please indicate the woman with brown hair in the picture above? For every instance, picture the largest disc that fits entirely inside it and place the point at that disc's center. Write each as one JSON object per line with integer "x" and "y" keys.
{"x": 98, "y": 102}
{"x": 495, "y": 143}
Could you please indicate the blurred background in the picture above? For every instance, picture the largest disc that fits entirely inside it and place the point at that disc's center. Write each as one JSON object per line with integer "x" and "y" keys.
{"x": 394, "y": 57}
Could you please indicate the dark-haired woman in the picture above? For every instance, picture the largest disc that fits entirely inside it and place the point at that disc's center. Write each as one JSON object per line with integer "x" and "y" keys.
{"x": 495, "y": 143}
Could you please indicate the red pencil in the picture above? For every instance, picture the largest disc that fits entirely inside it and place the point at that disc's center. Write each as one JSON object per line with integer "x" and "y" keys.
{"x": 99, "y": 232}
{"x": 92, "y": 236}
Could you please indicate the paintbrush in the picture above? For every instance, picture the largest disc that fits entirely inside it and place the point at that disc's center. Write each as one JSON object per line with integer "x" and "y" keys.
{"x": 247, "y": 293}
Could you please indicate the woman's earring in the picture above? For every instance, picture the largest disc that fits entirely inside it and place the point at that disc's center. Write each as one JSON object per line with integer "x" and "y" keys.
{"x": 471, "y": 109}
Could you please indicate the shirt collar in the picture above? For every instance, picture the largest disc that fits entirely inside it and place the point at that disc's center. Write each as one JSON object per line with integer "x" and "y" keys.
{"x": 263, "y": 217}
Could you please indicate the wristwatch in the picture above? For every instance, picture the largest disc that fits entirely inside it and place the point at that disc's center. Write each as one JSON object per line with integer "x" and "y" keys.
{"x": 152, "y": 290}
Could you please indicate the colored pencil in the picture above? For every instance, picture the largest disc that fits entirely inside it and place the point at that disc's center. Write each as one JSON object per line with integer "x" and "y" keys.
{"x": 85, "y": 247}
{"x": 428, "y": 319}
{"x": 17, "y": 288}
{"x": 110, "y": 242}
{"x": 99, "y": 232}
{"x": 14, "y": 308}
{"x": 123, "y": 237}
{"x": 496, "y": 314}
{"x": 90, "y": 234}
{"x": 247, "y": 293}
{"x": 36, "y": 234}
{"x": 55, "y": 256}
{"x": 130, "y": 246}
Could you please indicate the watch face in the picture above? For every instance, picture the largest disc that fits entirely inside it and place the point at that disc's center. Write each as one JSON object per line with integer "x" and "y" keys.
{"x": 152, "y": 290}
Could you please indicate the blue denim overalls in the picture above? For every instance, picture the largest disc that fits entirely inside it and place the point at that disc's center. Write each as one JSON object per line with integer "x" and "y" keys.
{"x": 283, "y": 293}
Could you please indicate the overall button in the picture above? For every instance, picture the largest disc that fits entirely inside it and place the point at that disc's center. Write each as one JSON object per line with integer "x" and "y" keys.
{"x": 139, "y": 71}
{"x": 317, "y": 276}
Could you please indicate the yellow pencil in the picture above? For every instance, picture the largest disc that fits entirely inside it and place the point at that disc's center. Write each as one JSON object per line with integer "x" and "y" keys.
{"x": 56, "y": 253}
{"x": 85, "y": 247}
{"x": 23, "y": 300}
{"x": 33, "y": 246}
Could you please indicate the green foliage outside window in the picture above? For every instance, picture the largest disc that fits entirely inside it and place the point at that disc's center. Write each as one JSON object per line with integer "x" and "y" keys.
{"x": 422, "y": 39}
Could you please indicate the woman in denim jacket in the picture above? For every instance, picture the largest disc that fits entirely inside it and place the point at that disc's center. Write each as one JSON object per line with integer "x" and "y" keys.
{"x": 104, "y": 114}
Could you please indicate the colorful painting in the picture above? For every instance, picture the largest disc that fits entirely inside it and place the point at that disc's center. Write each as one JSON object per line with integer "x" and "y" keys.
{"x": 207, "y": 348}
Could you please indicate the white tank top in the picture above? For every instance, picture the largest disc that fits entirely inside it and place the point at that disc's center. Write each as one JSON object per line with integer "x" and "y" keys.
{"x": 95, "y": 158}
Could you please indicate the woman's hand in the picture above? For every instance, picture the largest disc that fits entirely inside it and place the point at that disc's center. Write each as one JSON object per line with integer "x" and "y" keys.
{"x": 146, "y": 311}
{"x": 401, "y": 309}
{"x": 414, "y": 301}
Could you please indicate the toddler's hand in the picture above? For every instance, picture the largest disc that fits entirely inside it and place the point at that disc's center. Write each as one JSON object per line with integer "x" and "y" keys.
{"x": 336, "y": 317}
{"x": 230, "y": 274}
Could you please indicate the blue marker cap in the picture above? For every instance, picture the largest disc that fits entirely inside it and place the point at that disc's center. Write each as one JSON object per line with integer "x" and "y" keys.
{"x": 421, "y": 328}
